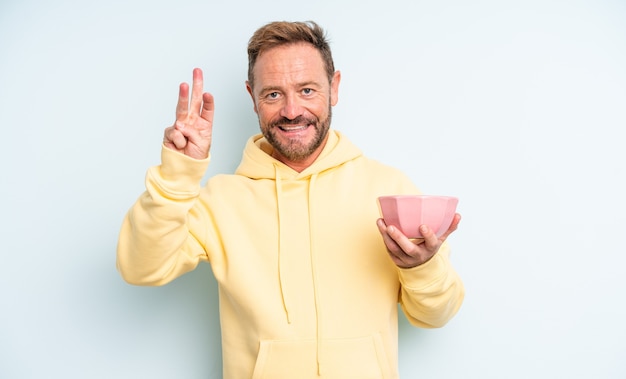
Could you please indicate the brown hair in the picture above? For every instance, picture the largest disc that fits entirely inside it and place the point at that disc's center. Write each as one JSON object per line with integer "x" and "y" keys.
{"x": 282, "y": 33}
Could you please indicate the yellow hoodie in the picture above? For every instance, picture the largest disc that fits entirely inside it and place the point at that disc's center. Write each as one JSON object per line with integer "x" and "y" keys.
{"x": 306, "y": 287}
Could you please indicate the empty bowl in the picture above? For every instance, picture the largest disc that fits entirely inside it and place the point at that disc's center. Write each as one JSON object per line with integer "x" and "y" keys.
{"x": 408, "y": 212}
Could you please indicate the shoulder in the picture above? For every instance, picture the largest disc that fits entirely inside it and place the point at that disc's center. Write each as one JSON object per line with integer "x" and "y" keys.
{"x": 380, "y": 176}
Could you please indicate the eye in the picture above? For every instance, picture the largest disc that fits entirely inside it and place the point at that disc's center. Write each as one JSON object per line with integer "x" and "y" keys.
{"x": 307, "y": 91}
{"x": 273, "y": 95}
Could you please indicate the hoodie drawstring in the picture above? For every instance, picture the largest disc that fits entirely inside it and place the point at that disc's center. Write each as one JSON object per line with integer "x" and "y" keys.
{"x": 279, "y": 193}
{"x": 318, "y": 312}
{"x": 281, "y": 269}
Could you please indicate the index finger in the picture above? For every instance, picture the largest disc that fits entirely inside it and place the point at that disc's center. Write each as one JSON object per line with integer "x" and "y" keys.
{"x": 393, "y": 237}
{"x": 182, "y": 107}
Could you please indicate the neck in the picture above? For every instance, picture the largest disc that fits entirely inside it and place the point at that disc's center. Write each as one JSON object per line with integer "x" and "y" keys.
{"x": 299, "y": 165}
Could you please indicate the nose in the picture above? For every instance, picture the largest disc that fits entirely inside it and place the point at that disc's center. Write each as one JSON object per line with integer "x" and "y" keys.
{"x": 291, "y": 108}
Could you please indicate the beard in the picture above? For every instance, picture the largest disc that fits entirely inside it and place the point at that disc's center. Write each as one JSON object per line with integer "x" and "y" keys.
{"x": 294, "y": 149}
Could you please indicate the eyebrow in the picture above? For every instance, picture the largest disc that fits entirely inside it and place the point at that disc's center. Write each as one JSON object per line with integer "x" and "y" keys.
{"x": 300, "y": 85}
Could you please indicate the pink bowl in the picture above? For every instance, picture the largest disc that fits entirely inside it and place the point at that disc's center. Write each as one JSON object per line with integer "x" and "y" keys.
{"x": 408, "y": 212}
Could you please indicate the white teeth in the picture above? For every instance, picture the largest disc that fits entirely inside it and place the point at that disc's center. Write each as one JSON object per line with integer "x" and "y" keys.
{"x": 292, "y": 128}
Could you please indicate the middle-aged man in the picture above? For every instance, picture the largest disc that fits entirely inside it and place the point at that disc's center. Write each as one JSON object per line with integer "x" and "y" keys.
{"x": 309, "y": 275}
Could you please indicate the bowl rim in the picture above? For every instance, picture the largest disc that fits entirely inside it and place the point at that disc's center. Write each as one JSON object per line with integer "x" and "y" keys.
{"x": 417, "y": 196}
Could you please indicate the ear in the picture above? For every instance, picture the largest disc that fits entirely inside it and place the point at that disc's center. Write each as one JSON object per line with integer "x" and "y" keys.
{"x": 249, "y": 89}
{"x": 334, "y": 88}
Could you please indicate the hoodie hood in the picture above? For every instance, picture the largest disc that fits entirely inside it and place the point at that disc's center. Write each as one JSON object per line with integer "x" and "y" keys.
{"x": 257, "y": 161}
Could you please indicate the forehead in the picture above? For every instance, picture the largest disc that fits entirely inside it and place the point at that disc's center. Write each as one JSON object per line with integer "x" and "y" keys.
{"x": 299, "y": 62}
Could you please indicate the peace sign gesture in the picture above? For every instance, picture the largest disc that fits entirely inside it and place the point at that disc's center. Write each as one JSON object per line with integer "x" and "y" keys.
{"x": 192, "y": 131}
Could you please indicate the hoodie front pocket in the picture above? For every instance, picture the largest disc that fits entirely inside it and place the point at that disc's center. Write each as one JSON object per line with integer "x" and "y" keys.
{"x": 345, "y": 358}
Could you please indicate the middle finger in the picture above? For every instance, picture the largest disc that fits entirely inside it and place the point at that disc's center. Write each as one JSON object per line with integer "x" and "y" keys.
{"x": 196, "y": 91}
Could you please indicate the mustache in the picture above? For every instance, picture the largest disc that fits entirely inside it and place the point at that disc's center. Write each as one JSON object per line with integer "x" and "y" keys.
{"x": 300, "y": 120}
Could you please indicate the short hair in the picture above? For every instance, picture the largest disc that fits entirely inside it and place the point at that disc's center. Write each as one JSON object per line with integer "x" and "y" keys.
{"x": 280, "y": 33}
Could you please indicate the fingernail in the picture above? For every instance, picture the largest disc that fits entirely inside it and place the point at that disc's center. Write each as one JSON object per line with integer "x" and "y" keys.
{"x": 424, "y": 229}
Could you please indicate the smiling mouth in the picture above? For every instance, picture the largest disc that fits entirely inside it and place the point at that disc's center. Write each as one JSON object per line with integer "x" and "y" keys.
{"x": 292, "y": 128}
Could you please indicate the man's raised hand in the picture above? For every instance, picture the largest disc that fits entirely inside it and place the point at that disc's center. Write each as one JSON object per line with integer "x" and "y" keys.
{"x": 192, "y": 131}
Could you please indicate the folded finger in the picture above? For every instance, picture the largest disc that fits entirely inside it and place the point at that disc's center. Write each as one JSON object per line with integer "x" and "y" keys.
{"x": 175, "y": 137}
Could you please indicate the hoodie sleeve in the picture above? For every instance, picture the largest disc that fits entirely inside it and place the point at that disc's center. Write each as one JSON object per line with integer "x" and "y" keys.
{"x": 432, "y": 293}
{"x": 157, "y": 241}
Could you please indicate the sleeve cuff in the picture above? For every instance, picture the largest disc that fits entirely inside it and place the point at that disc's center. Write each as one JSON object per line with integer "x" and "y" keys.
{"x": 176, "y": 166}
{"x": 422, "y": 276}
{"x": 178, "y": 176}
